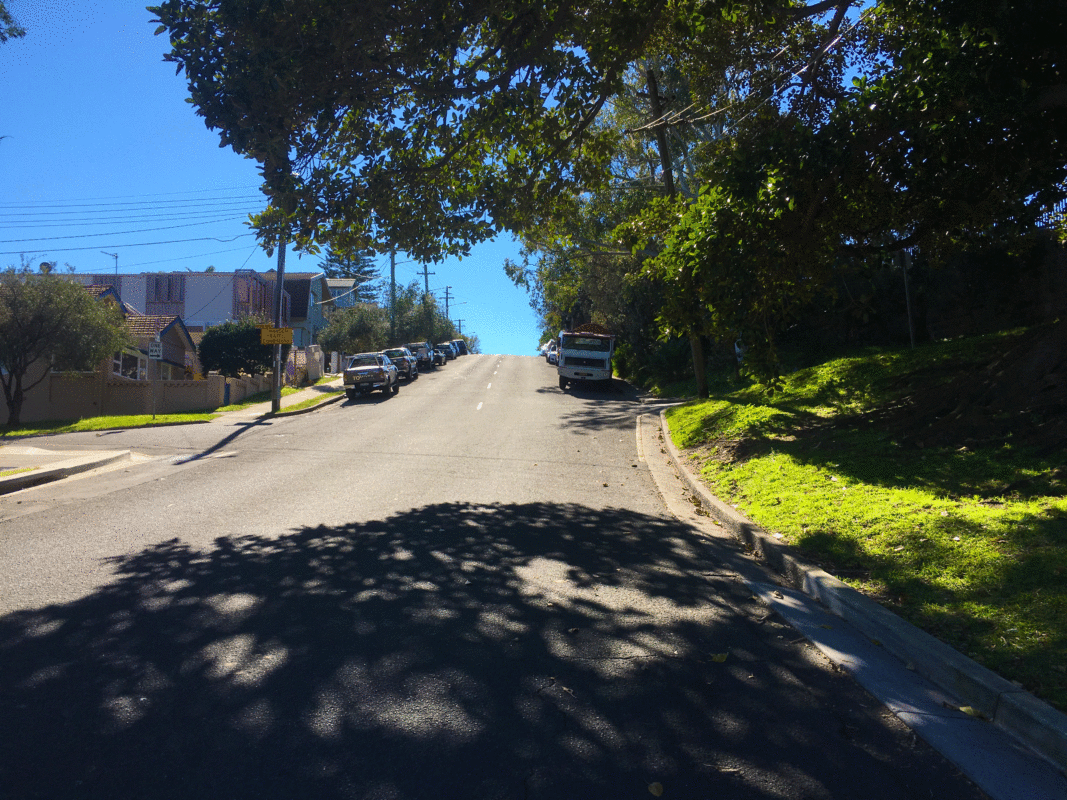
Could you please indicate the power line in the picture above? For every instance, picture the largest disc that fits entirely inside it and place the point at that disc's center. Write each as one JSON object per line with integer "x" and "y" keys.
{"x": 119, "y": 233}
{"x": 183, "y": 258}
{"x": 72, "y": 217}
{"x": 138, "y": 244}
{"x": 121, "y": 196}
{"x": 204, "y": 219}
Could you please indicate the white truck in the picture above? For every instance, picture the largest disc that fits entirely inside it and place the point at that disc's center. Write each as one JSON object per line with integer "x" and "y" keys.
{"x": 584, "y": 354}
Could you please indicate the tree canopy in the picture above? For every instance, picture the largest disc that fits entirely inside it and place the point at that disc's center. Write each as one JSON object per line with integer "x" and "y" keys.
{"x": 748, "y": 151}
{"x": 46, "y": 319}
{"x": 358, "y": 267}
{"x": 9, "y": 29}
{"x": 361, "y": 328}
{"x": 425, "y": 124}
{"x": 777, "y": 148}
{"x": 234, "y": 348}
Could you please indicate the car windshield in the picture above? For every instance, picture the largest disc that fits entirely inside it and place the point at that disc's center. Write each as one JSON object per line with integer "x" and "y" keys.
{"x": 395, "y": 353}
{"x": 595, "y": 343}
{"x": 363, "y": 361}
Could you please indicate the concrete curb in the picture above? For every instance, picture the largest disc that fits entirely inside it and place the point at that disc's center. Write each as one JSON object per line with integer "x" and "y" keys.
{"x": 1028, "y": 719}
{"x": 61, "y": 469}
{"x": 327, "y": 399}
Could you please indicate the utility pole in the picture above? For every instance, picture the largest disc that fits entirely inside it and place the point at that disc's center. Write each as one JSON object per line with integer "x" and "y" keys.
{"x": 446, "y": 301}
{"x": 459, "y": 324}
{"x": 392, "y": 295}
{"x": 426, "y": 277}
{"x": 425, "y": 300}
{"x": 276, "y": 381}
{"x": 116, "y": 257}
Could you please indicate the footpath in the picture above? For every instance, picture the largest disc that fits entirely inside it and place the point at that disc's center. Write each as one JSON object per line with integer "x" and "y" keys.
{"x": 30, "y": 465}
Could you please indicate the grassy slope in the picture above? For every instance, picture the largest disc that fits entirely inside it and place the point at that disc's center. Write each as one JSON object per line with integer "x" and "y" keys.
{"x": 969, "y": 543}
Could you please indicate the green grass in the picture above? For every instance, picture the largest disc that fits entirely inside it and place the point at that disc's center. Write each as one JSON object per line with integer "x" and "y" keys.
{"x": 7, "y": 473}
{"x": 104, "y": 423}
{"x": 968, "y": 543}
{"x": 312, "y": 401}
{"x": 265, "y": 396}
{"x": 258, "y": 397}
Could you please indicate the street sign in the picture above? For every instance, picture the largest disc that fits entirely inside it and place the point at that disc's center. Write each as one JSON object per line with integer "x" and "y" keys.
{"x": 275, "y": 335}
{"x": 155, "y": 351}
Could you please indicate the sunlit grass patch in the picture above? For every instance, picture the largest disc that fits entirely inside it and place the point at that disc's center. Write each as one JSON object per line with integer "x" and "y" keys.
{"x": 968, "y": 542}
{"x": 105, "y": 423}
{"x": 7, "y": 473}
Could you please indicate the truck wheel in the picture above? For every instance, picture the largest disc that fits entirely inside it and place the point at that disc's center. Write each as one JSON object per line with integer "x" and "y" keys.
{"x": 396, "y": 388}
{"x": 387, "y": 390}
{"x": 562, "y": 383}
{"x": 350, "y": 394}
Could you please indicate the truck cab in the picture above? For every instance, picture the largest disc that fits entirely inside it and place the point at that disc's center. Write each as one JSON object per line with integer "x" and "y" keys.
{"x": 583, "y": 357}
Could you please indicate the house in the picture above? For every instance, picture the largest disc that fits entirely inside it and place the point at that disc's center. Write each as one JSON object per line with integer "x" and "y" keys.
{"x": 179, "y": 360}
{"x": 343, "y": 291}
{"x": 201, "y": 299}
{"x": 311, "y": 304}
{"x": 131, "y": 382}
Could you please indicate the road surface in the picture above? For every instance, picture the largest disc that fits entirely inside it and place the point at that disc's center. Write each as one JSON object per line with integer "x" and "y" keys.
{"x": 470, "y": 590}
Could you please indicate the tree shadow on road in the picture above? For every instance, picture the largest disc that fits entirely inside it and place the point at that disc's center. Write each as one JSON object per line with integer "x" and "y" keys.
{"x": 503, "y": 651}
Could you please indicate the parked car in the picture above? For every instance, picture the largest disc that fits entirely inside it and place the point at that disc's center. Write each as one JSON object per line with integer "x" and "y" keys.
{"x": 423, "y": 354}
{"x": 366, "y": 372}
{"x": 406, "y": 363}
{"x": 461, "y": 346}
{"x": 439, "y": 357}
{"x": 551, "y": 352}
{"x": 449, "y": 350}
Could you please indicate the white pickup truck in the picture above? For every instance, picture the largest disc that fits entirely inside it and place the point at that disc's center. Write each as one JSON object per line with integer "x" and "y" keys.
{"x": 584, "y": 356}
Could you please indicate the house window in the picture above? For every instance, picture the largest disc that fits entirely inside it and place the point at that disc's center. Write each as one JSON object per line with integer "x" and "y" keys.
{"x": 130, "y": 365}
{"x": 167, "y": 289}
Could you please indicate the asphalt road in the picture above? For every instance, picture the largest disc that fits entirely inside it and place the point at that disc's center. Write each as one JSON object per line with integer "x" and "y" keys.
{"x": 470, "y": 590}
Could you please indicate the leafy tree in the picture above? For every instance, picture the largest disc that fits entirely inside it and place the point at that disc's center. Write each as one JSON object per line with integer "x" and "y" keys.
{"x": 473, "y": 345}
{"x": 419, "y": 317}
{"x": 357, "y": 329}
{"x": 9, "y": 29}
{"x": 233, "y": 348}
{"x": 44, "y": 319}
{"x": 359, "y": 267}
{"x": 949, "y": 135}
{"x": 426, "y": 124}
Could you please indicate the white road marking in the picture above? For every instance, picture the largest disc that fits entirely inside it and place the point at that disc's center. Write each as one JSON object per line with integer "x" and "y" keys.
{"x": 479, "y": 408}
{"x": 490, "y": 386}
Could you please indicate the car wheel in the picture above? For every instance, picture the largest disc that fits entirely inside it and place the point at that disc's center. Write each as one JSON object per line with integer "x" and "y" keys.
{"x": 562, "y": 383}
{"x": 396, "y": 388}
{"x": 350, "y": 394}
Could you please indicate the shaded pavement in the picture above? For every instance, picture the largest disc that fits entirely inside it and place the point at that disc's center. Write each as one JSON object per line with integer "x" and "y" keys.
{"x": 456, "y": 650}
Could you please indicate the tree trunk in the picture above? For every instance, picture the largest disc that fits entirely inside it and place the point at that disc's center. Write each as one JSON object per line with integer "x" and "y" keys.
{"x": 661, "y": 133}
{"x": 696, "y": 344}
{"x": 14, "y": 398}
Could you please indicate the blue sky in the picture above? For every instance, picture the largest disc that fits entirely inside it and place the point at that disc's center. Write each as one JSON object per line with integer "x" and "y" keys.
{"x": 103, "y": 155}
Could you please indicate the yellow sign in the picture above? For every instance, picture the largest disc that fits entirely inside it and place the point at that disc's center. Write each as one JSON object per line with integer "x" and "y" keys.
{"x": 275, "y": 335}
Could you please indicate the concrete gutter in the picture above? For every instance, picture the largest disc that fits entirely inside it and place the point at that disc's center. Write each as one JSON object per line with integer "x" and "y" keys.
{"x": 54, "y": 466}
{"x": 1029, "y": 720}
